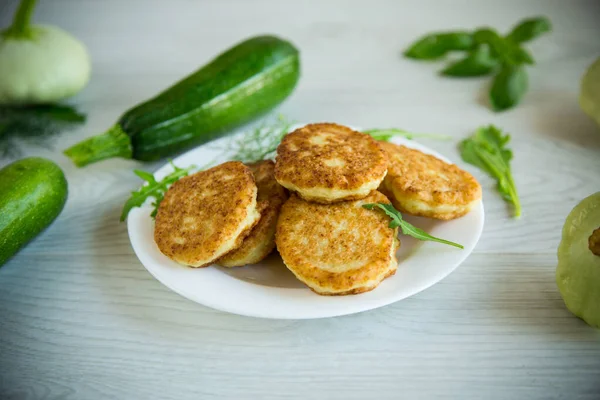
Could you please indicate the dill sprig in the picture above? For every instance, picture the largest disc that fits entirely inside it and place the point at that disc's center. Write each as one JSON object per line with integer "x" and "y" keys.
{"x": 259, "y": 144}
{"x": 34, "y": 125}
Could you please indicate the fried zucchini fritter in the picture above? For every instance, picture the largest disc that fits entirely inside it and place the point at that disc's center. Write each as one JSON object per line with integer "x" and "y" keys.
{"x": 421, "y": 184}
{"x": 207, "y": 214}
{"x": 337, "y": 249}
{"x": 261, "y": 240}
{"x": 327, "y": 163}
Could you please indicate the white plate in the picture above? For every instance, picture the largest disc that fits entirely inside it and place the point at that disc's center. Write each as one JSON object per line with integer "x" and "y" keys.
{"x": 269, "y": 290}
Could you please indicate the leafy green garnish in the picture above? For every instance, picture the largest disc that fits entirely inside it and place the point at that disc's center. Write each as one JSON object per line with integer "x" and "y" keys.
{"x": 488, "y": 52}
{"x": 34, "y": 125}
{"x": 153, "y": 188}
{"x": 486, "y": 149}
{"x": 507, "y": 51}
{"x": 508, "y": 87}
{"x": 407, "y": 228}
{"x": 479, "y": 62}
{"x": 437, "y": 45}
{"x": 261, "y": 143}
{"x": 529, "y": 29}
{"x": 386, "y": 134}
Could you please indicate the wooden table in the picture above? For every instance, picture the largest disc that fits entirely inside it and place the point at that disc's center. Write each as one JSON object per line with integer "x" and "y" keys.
{"x": 80, "y": 318}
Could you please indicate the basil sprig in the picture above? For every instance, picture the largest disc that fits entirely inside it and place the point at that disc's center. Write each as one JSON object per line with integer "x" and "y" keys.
{"x": 488, "y": 53}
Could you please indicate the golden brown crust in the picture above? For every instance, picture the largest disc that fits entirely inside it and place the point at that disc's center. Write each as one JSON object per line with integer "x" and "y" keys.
{"x": 328, "y": 162}
{"x": 421, "y": 184}
{"x": 360, "y": 289}
{"x": 207, "y": 214}
{"x": 261, "y": 240}
{"x": 340, "y": 248}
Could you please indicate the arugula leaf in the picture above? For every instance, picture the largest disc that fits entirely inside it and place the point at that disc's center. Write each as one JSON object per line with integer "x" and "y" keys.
{"x": 437, "y": 45}
{"x": 386, "y": 134}
{"x": 486, "y": 149}
{"x": 478, "y": 63}
{"x": 529, "y": 29}
{"x": 508, "y": 87}
{"x": 407, "y": 228}
{"x": 153, "y": 188}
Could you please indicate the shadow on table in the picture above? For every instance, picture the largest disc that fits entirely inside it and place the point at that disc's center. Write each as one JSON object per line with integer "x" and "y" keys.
{"x": 567, "y": 123}
{"x": 529, "y": 300}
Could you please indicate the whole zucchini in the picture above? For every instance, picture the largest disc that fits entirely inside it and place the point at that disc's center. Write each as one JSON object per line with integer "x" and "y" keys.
{"x": 32, "y": 195}
{"x": 240, "y": 84}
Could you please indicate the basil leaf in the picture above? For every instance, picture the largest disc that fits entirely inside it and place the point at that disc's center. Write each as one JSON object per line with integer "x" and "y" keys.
{"x": 478, "y": 63}
{"x": 529, "y": 29}
{"x": 508, "y": 87}
{"x": 437, "y": 45}
{"x": 507, "y": 51}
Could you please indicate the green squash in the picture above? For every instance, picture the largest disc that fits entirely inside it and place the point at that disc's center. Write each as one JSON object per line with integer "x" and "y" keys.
{"x": 578, "y": 272}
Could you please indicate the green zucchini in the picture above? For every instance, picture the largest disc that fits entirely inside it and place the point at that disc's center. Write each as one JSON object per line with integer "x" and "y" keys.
{"x": 32, "y": 195}
{"x": 240, "y": 84}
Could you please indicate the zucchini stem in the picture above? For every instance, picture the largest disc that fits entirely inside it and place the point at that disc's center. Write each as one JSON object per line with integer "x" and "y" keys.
{"x": 112, "y": 143}
{"x": 22, "y": 19}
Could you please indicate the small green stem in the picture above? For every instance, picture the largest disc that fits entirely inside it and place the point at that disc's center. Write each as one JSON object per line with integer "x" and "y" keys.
{"x": 386, "y": 134}
{"x": 22, "y": 19}
{"x": 514, "y": 196}
{"x": 112, "y": 143}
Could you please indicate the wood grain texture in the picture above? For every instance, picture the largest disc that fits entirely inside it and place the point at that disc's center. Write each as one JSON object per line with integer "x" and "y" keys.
{"x": 80, "y": 318}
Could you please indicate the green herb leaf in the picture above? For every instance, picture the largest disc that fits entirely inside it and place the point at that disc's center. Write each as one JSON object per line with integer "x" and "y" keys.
{"x": 34, "y": 125}
{"x": 509, "y": 52}
{"x": 478, "y": 63}
{"x": 153, "y": 188}
{"x": 437, "y": 45}
{"x": 486, "y": 149}
{"x": 386, "y": 134}
{"x": 407, "y": 228}
{"x": 509, "y": 86}
{"x": 396, "y": 217}
{"x": 529, "y": 29}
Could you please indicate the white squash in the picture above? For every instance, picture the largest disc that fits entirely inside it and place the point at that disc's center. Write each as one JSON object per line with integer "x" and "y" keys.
{"x": 40, "y": 64}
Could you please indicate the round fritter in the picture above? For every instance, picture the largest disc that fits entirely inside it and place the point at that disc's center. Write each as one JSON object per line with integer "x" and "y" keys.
{"x": 328, "y": 163}
{"x": 337, "y": 249}
{"x": 207, "y": 214}
{"x": 421, "y": 184}
{"x": 261, "y": 240}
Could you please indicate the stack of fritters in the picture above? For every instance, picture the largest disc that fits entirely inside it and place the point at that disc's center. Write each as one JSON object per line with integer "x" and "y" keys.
{"x": 225, "y": 215}
{"x": 235, "y": 214}
{"x": 324, "y": 235}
